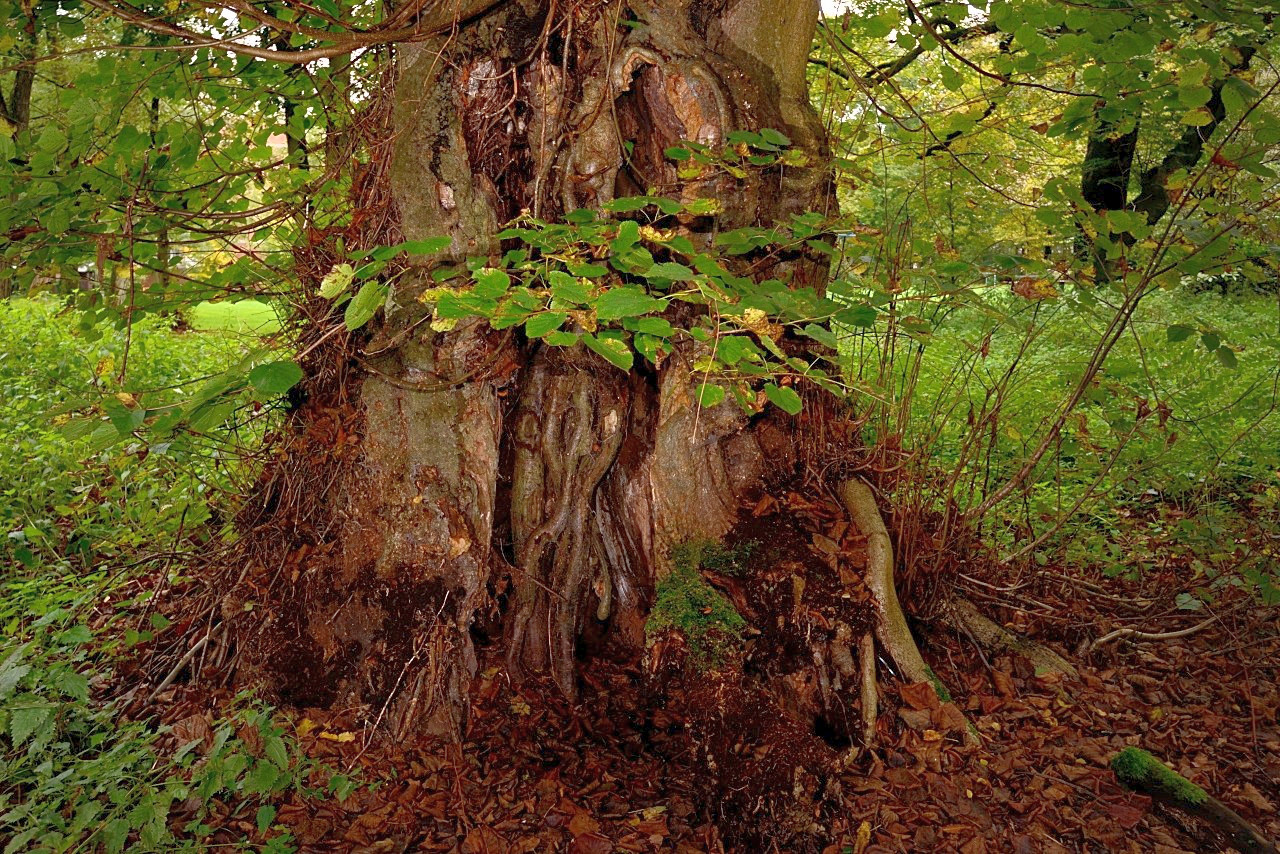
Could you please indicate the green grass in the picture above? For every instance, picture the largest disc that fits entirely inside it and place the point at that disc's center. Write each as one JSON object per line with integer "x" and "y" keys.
{"x": 244, "y": 317}
{"x": 82, "y": 521}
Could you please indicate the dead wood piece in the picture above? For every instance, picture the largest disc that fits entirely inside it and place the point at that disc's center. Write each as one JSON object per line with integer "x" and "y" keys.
{"x": 178, "y": 668}
{"x": 964, "y": 614}
{"x": 1136, "y": 635}
{"x": 1141, "y": 771}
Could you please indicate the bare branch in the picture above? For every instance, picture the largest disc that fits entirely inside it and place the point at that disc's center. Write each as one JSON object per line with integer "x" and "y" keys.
{"x": 431, "y": 23}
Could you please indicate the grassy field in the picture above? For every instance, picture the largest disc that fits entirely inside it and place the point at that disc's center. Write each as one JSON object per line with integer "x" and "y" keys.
{"x": 245, "y": 317}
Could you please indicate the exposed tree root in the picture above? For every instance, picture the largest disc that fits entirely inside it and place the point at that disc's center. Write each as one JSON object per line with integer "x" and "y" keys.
{"x": 1141, "y": 771}
{"x": 870, "y": 696}
{"x": 891, "y": 624}
{"x": 1136, "y": 635}
{"x": 993, "y": 636}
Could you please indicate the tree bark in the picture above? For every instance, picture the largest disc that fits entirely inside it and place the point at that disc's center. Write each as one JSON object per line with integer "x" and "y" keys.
{"x": 484, "y": 474}
{"x": 16, "y": 109}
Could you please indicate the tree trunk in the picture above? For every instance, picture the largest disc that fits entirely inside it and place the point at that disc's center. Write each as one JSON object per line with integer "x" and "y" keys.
{"x": 440, "y": 483}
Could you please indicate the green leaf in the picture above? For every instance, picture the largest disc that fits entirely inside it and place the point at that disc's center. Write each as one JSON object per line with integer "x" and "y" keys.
{"x": 275, "y": 751}
{"x": 429, "y": 246}
{"x": 614, "y": 350}
{"x": 1187, "y": 602}
{"x": 9, "y": 678}
{"x": 710, "y": 395}
{"x": 1197, "y": 118}
{"x": 336, "y": 281}
{"x": 262, "y": 779}
{"x": 541, "y": 325}
{"x": 1226, "y": 356}
{"x": 587, "y": 271}
{"x": 509, "y": 313}
{"x": 51, "y": 139}
{"x": 568, "y": 289}
{"x": 27, "y": 717}
{"x": 563, "y": 339}
{"x": 879, "y": 26}
{"x": 1210, "y": 340}
{"x": 658, "y": 326}
{"x": 77, "y": 635}
{"x": 628, "y": 236}
{"x": 784, "y": 398}
{"x": 669, "y": 271}
{"x": 490, "y": 283}
{"x": 20, "y": 842}
{"x": 365, "y": 304}
{"x": 617, "y": 303}
{"x": 275, "y": 377}
{"x": 123, "y": 418}
{"x": 821, "y": 334}
{"x": 775, "y": 137}
{"x": 1194, "y": 96}
{"x": 266, "y": 815}
{"x": 72, "y": 684}
{"x": 455, "y": 306}
{"x": 1178, "y": 332}
{"x": 115, "y": 833}
{"x": 731, "y": 349}
{"x": 647, "y": 346}
{"x": 857, "y": 315}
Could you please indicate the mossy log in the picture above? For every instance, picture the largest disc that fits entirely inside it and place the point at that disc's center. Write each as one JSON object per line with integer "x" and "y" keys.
{"x": 1141, "y": 771}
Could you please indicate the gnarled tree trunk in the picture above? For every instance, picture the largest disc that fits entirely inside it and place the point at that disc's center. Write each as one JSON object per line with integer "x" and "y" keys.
{"x": 485, "y": 469}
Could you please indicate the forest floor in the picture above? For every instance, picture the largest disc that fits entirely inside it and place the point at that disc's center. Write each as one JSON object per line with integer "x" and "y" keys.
{"x": 617, "y": 772}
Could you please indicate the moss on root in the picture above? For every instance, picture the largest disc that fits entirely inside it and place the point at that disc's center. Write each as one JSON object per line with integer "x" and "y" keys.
{"x": 1138, "y": 769}
{"x": 938, "y": 687}
{"x": 688, "y": 604}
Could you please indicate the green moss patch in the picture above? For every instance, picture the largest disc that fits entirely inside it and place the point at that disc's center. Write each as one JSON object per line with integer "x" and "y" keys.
{"x": 713, "y": 556}
{"x": 688, "y": 604}
{"x": 1138, "y": 769}
{"x": 938, "y": 687}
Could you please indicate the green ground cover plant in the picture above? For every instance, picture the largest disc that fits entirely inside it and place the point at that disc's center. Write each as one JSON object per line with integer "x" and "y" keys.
{"x": 83, "y": 521}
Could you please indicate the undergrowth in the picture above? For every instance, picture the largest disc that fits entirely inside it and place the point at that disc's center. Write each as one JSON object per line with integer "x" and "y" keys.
{"x": 85, "y": 521}
{"x": 1173, "y": 450}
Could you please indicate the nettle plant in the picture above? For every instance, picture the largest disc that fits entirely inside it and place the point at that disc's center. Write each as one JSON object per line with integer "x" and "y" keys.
{"x": 614, "y": 285}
